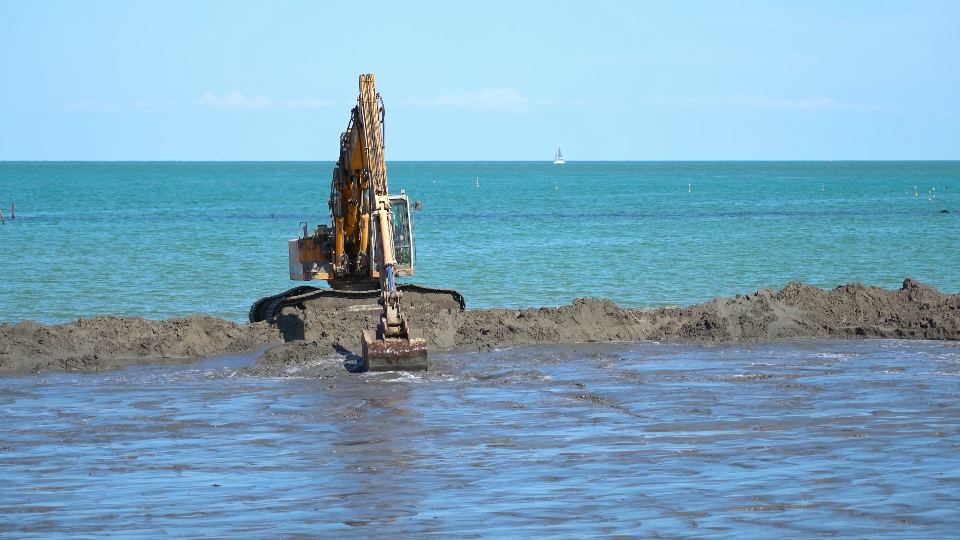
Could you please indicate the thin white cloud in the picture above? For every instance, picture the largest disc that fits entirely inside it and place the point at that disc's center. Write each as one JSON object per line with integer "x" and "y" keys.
{"x": 310, "y": 103}
{"x": 747, "y": 100}
{"x": 489, "y": 98}
{"x": 80, "y": 106}
{"x": 761, "y": 101}
{"x": 90, "y": 106}
{"x": 233, "y": 100}
{"x": 864, "y": 107}
{"x": 149, "y": 104}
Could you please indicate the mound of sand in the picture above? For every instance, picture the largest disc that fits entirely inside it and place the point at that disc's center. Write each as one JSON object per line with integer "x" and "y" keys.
{"x": 916, "y": 311}
{"x": 108, "y": 342}
{"x": 314, "y": 331}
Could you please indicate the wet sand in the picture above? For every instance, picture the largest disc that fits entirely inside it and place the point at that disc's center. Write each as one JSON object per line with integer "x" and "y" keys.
{"x": 309, "y": 331}
{"x": 107, "y": 342}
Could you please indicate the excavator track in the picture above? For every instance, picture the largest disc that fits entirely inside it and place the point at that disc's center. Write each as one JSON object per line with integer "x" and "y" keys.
{"x": 257, "y": 310}
{"x": 268, "y": 307}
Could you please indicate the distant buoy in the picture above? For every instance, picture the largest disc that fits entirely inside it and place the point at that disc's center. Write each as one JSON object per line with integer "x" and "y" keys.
{"x": 689, "y": 190}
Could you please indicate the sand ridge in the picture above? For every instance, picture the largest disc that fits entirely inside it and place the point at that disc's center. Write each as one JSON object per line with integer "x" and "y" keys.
{"x": 310, "y": 332}
{"x": 108, "y": 342}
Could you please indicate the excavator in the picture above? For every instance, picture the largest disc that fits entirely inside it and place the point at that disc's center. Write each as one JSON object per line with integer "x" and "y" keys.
{"x": 368, "y": 244}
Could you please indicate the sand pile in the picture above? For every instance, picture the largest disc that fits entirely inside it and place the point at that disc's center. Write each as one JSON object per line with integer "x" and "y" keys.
{"x": 108, "y": 342}
{"x": 916, "y": 311}
{"x": 316, "y": 330}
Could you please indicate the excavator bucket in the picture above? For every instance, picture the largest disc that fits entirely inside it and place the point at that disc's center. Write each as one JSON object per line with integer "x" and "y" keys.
{"x": 393, "y": 354}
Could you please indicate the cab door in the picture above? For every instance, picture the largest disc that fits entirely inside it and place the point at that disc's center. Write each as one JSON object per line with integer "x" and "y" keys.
{"x": 404, "y": 250}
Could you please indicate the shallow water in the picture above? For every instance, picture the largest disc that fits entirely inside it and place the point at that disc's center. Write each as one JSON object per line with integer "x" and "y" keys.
{"x": 787, "y": 439}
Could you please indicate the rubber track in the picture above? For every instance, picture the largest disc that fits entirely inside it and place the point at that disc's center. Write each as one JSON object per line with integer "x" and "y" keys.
{"x": 266, "y": 308}
{"x": 256, "y": 313}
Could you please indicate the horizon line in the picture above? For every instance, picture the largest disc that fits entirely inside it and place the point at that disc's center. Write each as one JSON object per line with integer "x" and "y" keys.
{"x": 469, "y": 160}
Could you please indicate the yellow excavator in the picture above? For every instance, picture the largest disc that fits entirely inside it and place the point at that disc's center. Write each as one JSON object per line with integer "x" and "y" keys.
{"x": 368, "y": 244}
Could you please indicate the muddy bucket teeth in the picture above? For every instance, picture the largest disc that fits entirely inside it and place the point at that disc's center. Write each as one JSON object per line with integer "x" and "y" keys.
{"x": 394, "y": 354}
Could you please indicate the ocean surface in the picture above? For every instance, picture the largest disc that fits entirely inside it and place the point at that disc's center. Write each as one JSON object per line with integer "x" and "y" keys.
{"x": 161, "y": 239}
{"x": 788, "y": 439}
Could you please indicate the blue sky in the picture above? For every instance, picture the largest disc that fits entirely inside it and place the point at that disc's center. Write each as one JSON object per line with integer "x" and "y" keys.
{"x": 481, "y": 81}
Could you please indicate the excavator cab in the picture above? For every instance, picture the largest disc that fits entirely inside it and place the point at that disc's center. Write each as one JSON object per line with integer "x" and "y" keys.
{"x": 403, "y": 247}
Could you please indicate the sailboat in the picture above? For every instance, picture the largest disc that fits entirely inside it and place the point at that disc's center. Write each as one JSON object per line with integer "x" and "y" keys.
{"x": 558, "y": 159}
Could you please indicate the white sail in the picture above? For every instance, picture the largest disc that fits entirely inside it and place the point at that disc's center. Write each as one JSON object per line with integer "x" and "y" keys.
{"x": 558, "y": 159}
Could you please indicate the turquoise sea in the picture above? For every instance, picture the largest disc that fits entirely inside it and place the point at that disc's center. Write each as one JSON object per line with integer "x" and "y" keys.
{"x": 161, "y": 239}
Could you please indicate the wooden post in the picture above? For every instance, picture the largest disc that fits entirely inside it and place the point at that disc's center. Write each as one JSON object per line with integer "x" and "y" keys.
{"x": 1, "y": 218}
{"x": 13, "y": 212}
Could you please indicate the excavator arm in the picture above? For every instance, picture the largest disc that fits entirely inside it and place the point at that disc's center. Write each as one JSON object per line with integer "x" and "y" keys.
{"x": 393, "y": 345}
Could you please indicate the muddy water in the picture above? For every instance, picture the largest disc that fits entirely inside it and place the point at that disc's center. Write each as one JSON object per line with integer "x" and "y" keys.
{"x": 792, "y": 439}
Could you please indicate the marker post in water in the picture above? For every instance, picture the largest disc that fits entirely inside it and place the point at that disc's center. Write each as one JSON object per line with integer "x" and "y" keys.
{"x": 13, "y": 212}
{"x": 1, "y": 218}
